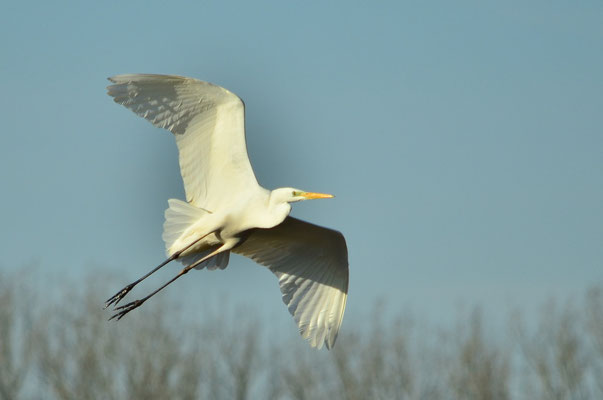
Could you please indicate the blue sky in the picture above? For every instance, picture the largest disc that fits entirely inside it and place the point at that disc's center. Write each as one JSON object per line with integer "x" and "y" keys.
{"x": 463, "y": 140}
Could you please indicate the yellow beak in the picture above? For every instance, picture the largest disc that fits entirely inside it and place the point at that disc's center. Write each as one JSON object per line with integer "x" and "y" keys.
{"x": 311, "y": 195}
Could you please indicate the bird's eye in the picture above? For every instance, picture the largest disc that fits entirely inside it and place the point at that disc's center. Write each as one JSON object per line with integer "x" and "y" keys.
{"x": 294, "y": 193}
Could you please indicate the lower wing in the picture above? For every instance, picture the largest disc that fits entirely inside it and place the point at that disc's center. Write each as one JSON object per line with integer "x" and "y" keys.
{"x": 311, "y": 263}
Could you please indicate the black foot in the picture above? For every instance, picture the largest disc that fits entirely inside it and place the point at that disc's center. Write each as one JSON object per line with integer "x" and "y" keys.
{"x": 119, "y": 295}
{"x": 123, "y": 310}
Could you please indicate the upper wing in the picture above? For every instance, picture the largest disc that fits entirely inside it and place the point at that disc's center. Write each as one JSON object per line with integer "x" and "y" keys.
{"x": 311, "y": 263}
{"x": 209, "y": 125}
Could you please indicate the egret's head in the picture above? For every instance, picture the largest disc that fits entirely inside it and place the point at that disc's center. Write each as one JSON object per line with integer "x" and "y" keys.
{"x": 280, "y": 203}
{"x": 291, "y": 195}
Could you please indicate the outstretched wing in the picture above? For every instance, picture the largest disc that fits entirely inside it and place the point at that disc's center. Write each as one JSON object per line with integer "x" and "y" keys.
{"x": 311, "y": 263}
{"x": 209, "y": 125}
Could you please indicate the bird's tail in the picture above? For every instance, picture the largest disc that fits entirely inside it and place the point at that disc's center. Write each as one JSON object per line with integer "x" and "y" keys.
{"x": 180, "y": 216}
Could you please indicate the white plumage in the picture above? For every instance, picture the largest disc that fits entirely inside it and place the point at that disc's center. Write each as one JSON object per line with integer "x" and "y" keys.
{"x": 227, "y": 210}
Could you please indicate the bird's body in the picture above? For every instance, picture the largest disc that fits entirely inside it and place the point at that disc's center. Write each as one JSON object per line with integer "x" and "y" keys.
{"x": 227, "y": 210}
{"x": 226, "y": 226}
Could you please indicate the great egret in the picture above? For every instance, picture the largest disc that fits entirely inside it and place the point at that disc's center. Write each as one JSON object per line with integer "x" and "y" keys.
{"x": 227, "y": 210}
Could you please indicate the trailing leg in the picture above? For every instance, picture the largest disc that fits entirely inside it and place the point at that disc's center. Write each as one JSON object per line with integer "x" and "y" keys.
{"x": 123, "y": 292}
{"x": 123, "y": 310}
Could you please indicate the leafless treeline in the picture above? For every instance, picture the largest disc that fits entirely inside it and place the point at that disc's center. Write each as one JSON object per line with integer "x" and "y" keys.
{"x": 50, "y": 350}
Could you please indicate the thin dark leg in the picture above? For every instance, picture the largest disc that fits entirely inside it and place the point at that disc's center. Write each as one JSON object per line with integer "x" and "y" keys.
{"x": 123, "y": 292}
{"x": 123, "y": 310}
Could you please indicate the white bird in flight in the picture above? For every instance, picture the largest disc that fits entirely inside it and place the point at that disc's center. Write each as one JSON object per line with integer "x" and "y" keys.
{"x": 227, "y": 210}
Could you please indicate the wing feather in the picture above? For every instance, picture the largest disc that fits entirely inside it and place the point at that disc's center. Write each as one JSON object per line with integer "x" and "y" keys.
{"x": 311, "y": 263}
{"x": 208, "y": 122}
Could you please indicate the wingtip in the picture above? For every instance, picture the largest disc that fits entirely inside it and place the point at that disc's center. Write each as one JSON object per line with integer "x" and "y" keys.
{"x": 114, "y": 78}
{"x": 330, "y": 342}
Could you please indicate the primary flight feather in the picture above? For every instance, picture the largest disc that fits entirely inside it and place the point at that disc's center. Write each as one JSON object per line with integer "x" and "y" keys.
{"x": 227, "y": 210}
